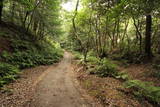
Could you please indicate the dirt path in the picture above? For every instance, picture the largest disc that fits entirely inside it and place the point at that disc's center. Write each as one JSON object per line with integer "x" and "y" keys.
{"x": 58, "y": 88}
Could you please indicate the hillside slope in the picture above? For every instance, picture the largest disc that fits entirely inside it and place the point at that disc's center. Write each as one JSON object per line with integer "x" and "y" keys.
{"x": 19, "y": 50}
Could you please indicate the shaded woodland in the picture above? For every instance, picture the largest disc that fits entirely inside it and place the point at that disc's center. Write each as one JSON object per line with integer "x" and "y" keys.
{"x": 115, "y": 44}
{"x": 127, "y": 27}
{"x": 118, "y": 39}
{"x": 27, "y": 33}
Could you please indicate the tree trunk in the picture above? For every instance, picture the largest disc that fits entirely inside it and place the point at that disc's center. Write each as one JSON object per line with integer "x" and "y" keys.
{"x": 85, "y": 55}
{"x": 148, "y": 36}
{"x": 138, "y": 33}
{"x": 12, "y": 11}
{"x": 24, "y": 22}
{"x": 1, "y": 8}
{"x": 158, "y": 45}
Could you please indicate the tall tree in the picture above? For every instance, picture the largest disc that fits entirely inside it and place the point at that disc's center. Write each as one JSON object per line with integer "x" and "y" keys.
{"x": 148, "y": 35}
{"x": 1, "y": 8}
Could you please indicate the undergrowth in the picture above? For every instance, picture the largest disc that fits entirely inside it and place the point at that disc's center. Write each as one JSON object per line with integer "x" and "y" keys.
{"x": 26, "y": 53}
{"x": 24, "y": 57}
{"x": 105, "y": 68}
{"x": 156, "y": 67}
{"x": 8, "y": 73}
{"x": 128, "y": 57}
{"x": 77, "y": 55}
{"x": 144, "y": 90}
{"x": 101, "y": 67}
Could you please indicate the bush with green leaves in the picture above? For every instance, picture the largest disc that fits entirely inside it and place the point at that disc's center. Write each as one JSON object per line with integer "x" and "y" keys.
{"x": 156, "y": 66}
{"x": 156, "y": 74}
{"x": 77, "y": 55}
{"x": 26, "y": 54}
{"x": 30, "y": 58}
{"x": 93, "y": 60}
{"x": 123, "y": 76}
{"x": 105, "y": 68}
{"x": 8, "y": 73}
{"x": 156, "y": 71}
{"x": 144, "y": 89}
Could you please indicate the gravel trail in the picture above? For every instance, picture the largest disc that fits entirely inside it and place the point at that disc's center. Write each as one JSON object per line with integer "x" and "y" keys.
{"x": 58, "y": 88}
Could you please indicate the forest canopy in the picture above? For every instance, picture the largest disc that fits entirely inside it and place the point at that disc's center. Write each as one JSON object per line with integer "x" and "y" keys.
{"x": 127, "y": 27}
{"x": 40, "y": 17}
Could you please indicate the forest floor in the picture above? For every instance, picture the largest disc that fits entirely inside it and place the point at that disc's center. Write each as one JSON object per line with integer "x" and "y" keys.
{"x": 19, "y": 92}
{"x": 111, "y": 92}
{"x": 59, "y": 85}
{"x": 47, "y": 86}
{"x": 143, "y": 72}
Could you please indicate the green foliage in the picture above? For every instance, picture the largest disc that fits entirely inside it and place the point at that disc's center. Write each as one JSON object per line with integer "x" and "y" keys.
{"x": 123, "y": 76}
{"x": 8, "y": 73}
{"x": 105, "y": 68}
{"x": 29, "y": 58}
{"x": 106, "y": 26}
{"x": 21, "y": 45}
{"x": 77, "y": 56}
{"x": 156, "y": 66}
{"x": 36, "y": 17}
{"x": 30, "y": 35}
{"x": 128, "y": 57}
{"x": 144, "y": 89}
{"x": 156, "y": 72}
{"x": 102, "y": 68}
{"x": 93, "y": 60}
{"x": 27, "y": 54}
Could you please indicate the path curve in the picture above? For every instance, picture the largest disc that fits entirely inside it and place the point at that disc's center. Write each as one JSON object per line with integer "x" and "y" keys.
{"x": 57, "y": 88}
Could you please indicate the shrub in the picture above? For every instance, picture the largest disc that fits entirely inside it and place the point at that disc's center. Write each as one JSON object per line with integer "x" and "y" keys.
{"x": 8, "y": 73}
{"x": 22, "y": 45}
{"x": 30, "y": 57}
{"x": 123, "y": 76}
{"x": 156, "y": 66}
{"x": 133, "y": 57}
{"x": 105, "y": 68}
{"x": 93, "y": 60}
{"x": 25, "y": 53}
{"x": 157, "y": 74}
{"x": 156, "y": 71}
{"x": 145, "y": 89}
{"x": 77, "y": 56}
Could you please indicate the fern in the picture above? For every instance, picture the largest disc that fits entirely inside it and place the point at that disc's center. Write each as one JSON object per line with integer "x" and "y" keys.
{"x": 145, "y": 89}
{"x": 105, "y": 68}
{"x": 8, "y": 73}
{"x": 123, "y": 76}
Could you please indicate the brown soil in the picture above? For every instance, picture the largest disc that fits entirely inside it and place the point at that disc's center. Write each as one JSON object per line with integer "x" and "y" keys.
{"x": 109, "y": 91}
{"x": 143, "y": 72}
{"x": 20, "y": 91}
